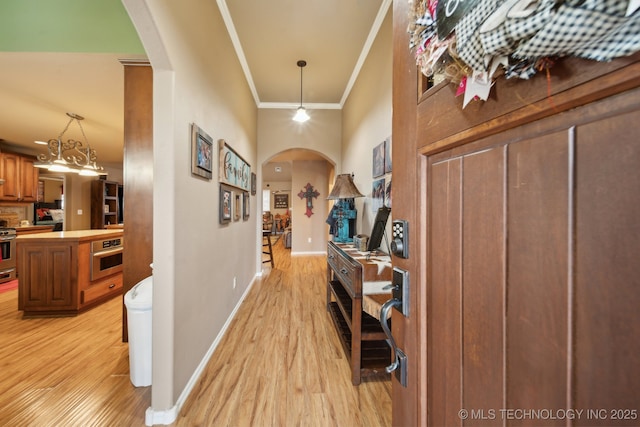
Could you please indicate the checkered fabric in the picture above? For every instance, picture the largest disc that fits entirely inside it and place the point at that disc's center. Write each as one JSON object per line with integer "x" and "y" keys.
{"x": 596, "y": 30}
{"x": 515, "y": 27}
{"x": 469, "y": 45}
{"x": 611, "y": 7}
{"x": 429, "y": 30}
{"x": 622, "y": 42}
{"x": 522, "y": 69}
{"x": 422, "y": 29}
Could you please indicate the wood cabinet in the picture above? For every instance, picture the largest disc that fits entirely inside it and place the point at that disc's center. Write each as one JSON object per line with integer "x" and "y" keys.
{"x": 349, "y": 276}
{"x": 20, "y": 178}
{"x": 21, "y": 231}
{"x": 55, "y": 273}
{"x": 104, "y": 203}
{"x": 46, "y": 282}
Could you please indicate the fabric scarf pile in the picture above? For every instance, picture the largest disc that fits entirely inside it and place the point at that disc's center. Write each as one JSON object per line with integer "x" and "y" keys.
{"x": 521, "y": 37}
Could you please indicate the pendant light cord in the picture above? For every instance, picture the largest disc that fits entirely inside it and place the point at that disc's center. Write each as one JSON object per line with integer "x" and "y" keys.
{"x": 301, "y": 63}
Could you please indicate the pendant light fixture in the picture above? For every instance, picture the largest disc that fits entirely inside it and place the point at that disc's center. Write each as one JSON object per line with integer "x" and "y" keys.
{"x": 301, "y": 114}
{"x": 71, "y": 155}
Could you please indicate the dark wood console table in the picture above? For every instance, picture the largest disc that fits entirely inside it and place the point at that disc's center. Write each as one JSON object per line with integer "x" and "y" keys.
{"x": 350, "y": 276}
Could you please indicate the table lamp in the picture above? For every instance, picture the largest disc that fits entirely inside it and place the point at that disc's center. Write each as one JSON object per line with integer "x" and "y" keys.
{"x": 344, "y": 191}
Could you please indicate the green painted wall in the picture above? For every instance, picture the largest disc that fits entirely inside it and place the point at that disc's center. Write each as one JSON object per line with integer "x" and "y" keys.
{"x": 88, "y": 26}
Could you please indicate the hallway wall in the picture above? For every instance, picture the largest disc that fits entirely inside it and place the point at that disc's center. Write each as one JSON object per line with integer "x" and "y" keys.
{"x": 201, "y": 267}
{"x": 309, "y": 233}
{"x": 366, "y": 121}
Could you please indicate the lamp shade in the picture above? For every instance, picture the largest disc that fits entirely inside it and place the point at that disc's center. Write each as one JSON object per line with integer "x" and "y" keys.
{"x": 344, "y": 188}
{"x": 301, "y": 115}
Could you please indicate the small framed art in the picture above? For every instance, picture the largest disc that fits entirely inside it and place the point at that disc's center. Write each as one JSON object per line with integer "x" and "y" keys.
{"x": 245, "y": 206}
{"x": 388, "y": 164}
{"x": 378, "y": 160}
{"x": 253, "y": 184}
{"x": 281, "y": 201}
{"x": 225, "y": 204}
{"x": 201, "y": 153}
{"x": 237, "y": 208}
{"x": 377, "y": 194}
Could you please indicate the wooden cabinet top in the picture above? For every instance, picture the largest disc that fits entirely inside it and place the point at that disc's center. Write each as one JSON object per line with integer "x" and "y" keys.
{"x": 30, "y": 229}
{"x": 375, "y": 268}
{"x": 73, "y": 236}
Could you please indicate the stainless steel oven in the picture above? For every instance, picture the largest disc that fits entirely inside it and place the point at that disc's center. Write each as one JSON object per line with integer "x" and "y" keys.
{"x": 106, "y": 257}
{"x": 7, "y": 254}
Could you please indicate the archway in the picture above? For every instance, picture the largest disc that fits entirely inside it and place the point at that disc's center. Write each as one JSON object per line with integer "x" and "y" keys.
{"x": 282, "y": 174}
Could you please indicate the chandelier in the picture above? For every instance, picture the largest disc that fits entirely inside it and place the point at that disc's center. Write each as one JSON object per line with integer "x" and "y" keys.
{"x": 70, "y": 155}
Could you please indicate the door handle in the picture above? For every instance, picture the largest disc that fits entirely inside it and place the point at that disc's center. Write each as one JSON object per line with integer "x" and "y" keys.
{"x": 384, "y": 313}
{"x": 400, "y": 300}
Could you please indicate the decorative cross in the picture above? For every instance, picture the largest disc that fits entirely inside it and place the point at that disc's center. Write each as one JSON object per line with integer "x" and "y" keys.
{"x": 309, "y": 193}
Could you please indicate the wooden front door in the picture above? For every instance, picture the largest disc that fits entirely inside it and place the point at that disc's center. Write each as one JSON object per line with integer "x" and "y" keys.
{"x": 531, "y": 280}
{"x": 523, "y": 219}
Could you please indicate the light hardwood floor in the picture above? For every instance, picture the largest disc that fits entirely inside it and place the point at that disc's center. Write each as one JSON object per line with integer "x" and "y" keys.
{"x": 280, "y": 364}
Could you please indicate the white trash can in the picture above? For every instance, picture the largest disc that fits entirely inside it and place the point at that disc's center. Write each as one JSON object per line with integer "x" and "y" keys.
{"x": 138, "y": 302}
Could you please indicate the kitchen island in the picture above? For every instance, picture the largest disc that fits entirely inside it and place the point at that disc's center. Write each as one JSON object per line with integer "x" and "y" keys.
{"x": 31, "y": 229}
{"x": 64, "y": 273}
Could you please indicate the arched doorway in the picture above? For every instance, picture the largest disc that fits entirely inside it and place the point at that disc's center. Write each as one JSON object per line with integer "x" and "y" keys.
{"x": 283, "y": 177}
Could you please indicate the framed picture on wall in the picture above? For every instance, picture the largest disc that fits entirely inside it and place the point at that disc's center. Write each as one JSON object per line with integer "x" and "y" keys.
{"x": 237, "y": 207}
{"x": 377, "y": 194}
{"x": 225, "y": 204}
{"x": 201, "y": 153}
{"x": 253, "y": 183}
{"x": 387, "y": 192}
{"x": 233, "y": 169}
{"x": 388, "y": 164}
{"x": 245, "y": 206}
{"x": 281, "y": 201}
{"x": 378, "y": 160}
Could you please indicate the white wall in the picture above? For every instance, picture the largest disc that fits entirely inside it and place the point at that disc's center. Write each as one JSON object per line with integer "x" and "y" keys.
{"x": 277, "y": 132}
{"x": 366, "y": 120}
{"x": 309, "y": 233}
{"x": 197, "y": 78}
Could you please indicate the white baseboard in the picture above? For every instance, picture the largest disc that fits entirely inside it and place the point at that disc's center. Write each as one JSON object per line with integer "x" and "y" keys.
{"x": 168, "y": 416}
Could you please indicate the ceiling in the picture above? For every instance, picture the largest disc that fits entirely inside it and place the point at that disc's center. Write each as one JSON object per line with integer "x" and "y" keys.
{"x": 38, "y": 84}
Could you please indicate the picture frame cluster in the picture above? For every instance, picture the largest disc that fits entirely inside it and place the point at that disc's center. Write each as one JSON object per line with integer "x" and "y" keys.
{"x": 234, "y": 204}
{"x": 235, "y": 178}
{"x": 381, "y": 174}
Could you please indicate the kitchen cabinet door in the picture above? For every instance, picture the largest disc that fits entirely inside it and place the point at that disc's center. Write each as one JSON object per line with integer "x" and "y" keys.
{"x": 10, "y": 166}
{"x": 49, "y": 283}
{"x": 20, "y": 178}
{"x": 28, "y": 180}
